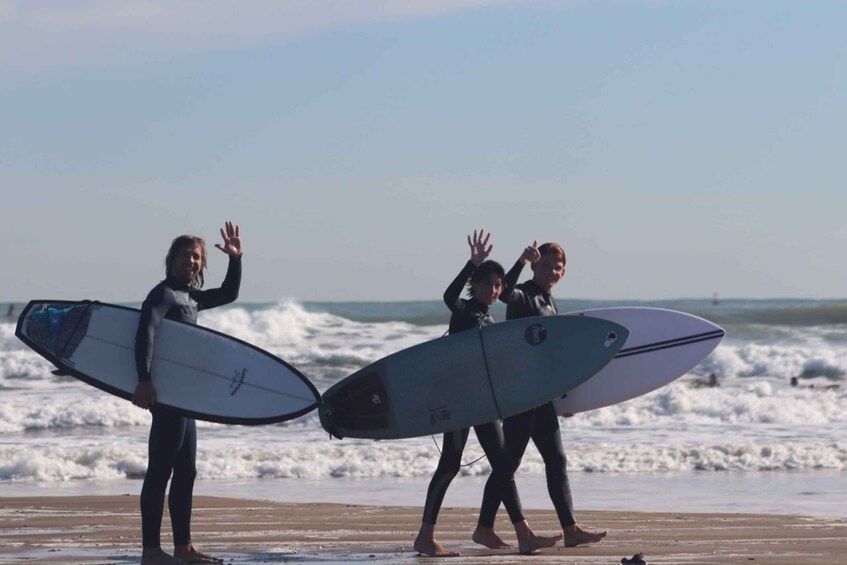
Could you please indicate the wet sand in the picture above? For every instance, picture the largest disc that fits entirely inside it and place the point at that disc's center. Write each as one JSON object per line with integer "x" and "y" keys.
{"x": 106, "y": 529}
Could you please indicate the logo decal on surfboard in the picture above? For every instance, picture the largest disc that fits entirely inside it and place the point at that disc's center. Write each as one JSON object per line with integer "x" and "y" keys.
{"x": 611, "y": 338}
{"x": 535, "y": 334}
{"x": 237, "y": 381}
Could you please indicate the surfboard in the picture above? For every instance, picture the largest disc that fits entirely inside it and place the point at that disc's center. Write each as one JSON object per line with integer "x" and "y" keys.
{"x": 662, "y": 346}
{"x": 196, "y": 371}
{"x": 470, "y": 378}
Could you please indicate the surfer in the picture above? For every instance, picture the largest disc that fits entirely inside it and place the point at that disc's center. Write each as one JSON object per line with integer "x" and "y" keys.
{"x": 541, "y": 424}
{"x": 711, "y": 382}
{"x": 172, "y": 445}
{"x": 795, "y": 382}
{"x": 485, "y": 281}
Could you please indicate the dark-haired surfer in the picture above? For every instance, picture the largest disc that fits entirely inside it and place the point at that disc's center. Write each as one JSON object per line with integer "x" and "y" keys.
{"x": 485, "y": 280}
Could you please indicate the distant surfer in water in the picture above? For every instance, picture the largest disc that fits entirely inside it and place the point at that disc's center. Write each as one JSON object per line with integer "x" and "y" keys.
{"x": 485, "y": 282}
{"x": 534, "y": 298}
{"x": 173, "y": 438}
{"x": 795, "y": 382}
{"x": 711, "y": 382}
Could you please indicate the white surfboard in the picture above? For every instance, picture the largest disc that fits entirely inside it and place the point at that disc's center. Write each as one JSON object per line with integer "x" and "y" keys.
{"x": 662, "y": 346}
{"x": 197, "y": 372}
{"x": 469, "y": 378}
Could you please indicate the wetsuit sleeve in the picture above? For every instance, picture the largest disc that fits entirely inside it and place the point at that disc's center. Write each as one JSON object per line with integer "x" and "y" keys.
{"x": 453, "y": 294}
{"x": 227, "y": 292}
{"x": 517, "y": 302}
{"x": 511, "y": 282}
{"x": 153, "y": 311}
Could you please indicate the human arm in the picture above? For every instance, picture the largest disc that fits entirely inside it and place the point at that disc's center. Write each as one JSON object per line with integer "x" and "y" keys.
{"x": 452, "y": 296}
{"x": 228, "y": 291}
{"x": 153, "y": 311}
{"x": 480, "y": 250}
{"x": 530, "y": 254}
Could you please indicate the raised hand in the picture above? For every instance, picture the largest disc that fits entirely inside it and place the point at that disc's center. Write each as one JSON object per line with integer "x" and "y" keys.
{"x": 232, "y": 240}
{"x": 530, "y": 254}
{"x": 480, "y": 249}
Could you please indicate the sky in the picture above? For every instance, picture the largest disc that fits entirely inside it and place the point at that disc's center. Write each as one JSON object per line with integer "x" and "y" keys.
{"x": 674, "y": 148}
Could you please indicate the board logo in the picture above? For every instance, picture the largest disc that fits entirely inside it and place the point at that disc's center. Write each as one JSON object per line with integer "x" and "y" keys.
{"x": 611, "y": 338}
{"x": 237, "y": 381}
{"x": 535, "y": 334}
{"x": 440, "y": 414}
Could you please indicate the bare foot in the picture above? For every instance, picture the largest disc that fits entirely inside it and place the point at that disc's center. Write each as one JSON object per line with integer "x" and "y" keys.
{"x": 575, "y": 535}
{"x": 529, "y": 545}
{"x": 155, "y": 556}
{"x": 190, "y": 554}
{"x": 488, "y": 538}
{"x": 432, "y": 548}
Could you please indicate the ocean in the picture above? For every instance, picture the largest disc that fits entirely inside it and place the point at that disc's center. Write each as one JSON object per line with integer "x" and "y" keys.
{"x": 752, "y": 444}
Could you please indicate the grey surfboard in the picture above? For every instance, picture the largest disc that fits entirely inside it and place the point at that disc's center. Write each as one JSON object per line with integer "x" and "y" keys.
{"x": 470, "y": 378}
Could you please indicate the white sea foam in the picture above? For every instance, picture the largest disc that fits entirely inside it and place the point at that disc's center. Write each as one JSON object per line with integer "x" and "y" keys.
{"x": 786, "y": 360}
{"x": 80, "y": 405}
{"x": 298, "y": 336}
{"x": 53, "y": 463}
{"x": 57, "y": 429}
{"x": 104, "y": 458}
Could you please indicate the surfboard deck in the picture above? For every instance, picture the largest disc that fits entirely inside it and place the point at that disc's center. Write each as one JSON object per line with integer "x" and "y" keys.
{"x": 662, "y": 346}
{"x": 470, "y": 378}
{"x": 196, "y": 371}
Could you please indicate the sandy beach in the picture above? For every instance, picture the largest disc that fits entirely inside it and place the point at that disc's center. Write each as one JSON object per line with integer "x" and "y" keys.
{"x": 105, "y": 529}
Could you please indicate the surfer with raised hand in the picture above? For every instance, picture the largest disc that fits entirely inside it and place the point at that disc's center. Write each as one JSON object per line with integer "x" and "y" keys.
{"x": 485, "y": 281}
{"x": 541, "y": 424}
{"x": 172, "y": 447}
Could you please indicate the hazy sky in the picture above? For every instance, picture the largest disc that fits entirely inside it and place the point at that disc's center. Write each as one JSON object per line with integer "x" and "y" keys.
{"x": 674, "y": 148}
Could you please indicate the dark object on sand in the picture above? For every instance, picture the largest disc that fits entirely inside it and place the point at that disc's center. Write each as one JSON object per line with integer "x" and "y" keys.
{"x": 637, "y": 559}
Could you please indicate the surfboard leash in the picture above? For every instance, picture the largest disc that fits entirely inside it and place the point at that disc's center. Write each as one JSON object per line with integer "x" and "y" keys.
{"x": 461, "y": 464}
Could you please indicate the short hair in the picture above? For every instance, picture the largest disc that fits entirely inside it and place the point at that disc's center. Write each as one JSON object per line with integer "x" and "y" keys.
{"x": 485, "y": 270}
{"x": 553, "y": 249}
{"x": 182, "y": 242}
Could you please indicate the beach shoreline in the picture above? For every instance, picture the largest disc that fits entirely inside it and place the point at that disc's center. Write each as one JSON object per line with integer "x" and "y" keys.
{"x": 106, "y": 529}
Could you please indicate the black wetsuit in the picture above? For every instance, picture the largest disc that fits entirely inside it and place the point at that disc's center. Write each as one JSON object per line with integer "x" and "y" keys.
{"x": 540, "y": 424}
{"x": 471, "y": 314}
{"x": 173, "y": 438}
